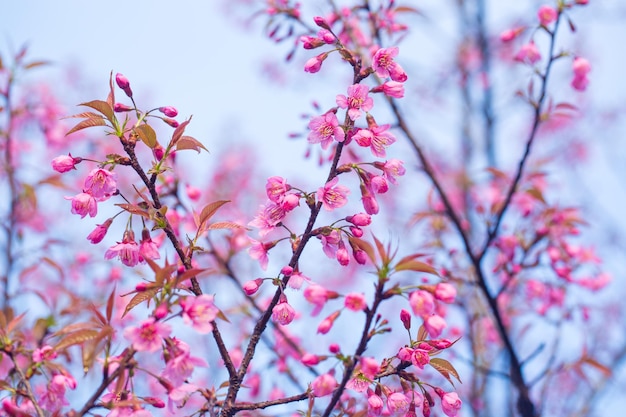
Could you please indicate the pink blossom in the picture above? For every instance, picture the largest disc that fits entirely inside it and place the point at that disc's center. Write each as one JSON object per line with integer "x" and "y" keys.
{"x": 148, "y": 336}
{"x": 330, "y": 242}
{"x": 546, "y": 14}
{"x": 44, "y": 353}
{"x": 422, "y": 302}
{"x": 317, "y": 295}
{"x": 451, "y": 404}
{"x": 376, "y": 137}
{"x": 370, "y": 204}
{"x": 528, "y": 54}
{"x": 276, "y": 188}
{"x": 333, "y": 196}
{"x": 181, "y": 364}
{"x": 355, "y": 301}
{"x": 148, "y": 249}
{"x": 325, "y": 129}
{"x": 378, "y": 184}
{"x": 434, "y": 325}
{"x": 392, "y": 169}
{"x": 193, "y": 193}
{"x": 65, "y": 163}
{"x": 200, "y": 312}
{"x": 101, "y": 184}
{"x": 311, "y": 42}
{"x": 283, "y": 313}
{"x": 323, "y": 385}
{"x": 385, "y": 66}
{"x": 420, "y": 358}
{"x": 445, "y": 292}
{"x": 259, "y": 250}
{"x": 268, "y": 217}
{"x": 177, "y": 396}
{"x": 581, "y": 68}
{"x": 374, "y": 405}
{"x": 342, "y": 255}
{"x": 356, "y": 101}
{"x": 296, "y": 280}
{"x": 127, "y": 251}
{"x": 393, "y": 89}
{"x": 310, "y": 359}
{"x": 84, "y": 204}
{"x": 398, "y": 403}
{"x": 99, "y": 232}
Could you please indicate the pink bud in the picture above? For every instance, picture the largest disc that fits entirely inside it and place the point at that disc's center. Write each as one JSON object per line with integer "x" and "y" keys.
{"x": 310, "y": 359}
{"x": 321, "y": 22}
{"x": 141, "y": 287}
{"x": 434, "y": 325}
{"x": 99, "y": 232}
{"x": 334, "y": 348}
{"x": 356, "y": 231}
{"x": 169, "y": 111}
{"x": 405, "y": 317}
{"x": 286, "y": 271}
{"x": 251, "y": 287}
{"x": 161, "y": 311}
{"x": 360, "y": 256}
{"x": 360, "y": 219}
{"x": 170, "y": 122}
{"x": 65, "y": 163}
{"x": 120, "y": 108}
{"x": 326, "y": 324}
{"x": 314, "y": 64}
{"x": 124, "y": 84}
{"x": 445, "y": 292}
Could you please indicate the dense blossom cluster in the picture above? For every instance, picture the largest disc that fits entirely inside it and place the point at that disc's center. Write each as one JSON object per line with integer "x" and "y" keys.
{"x": 494, "y": 249}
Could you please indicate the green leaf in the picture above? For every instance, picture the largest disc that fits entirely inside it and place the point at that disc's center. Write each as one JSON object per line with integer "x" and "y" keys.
{"x": 147, "y": 135}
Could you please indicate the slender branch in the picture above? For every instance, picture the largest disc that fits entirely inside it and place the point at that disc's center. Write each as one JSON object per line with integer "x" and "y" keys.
{"x": 365, "y": 337}
{"x": 29, "y": 390}
{"x": 265, "y": 404}
{"x": 537, "y": 118}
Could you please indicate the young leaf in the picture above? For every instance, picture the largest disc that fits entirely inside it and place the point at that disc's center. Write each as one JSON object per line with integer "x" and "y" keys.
{"x": 445, "y": 368}
{"x": 417, "y": 266}
{"x": 101, "y": 106}
{"x": 178, "y": 132}
{"x": 140, "y": 297}
{"x": 209, "y": 210}
{"x": 76, "y": 338}
{"x": 224, "y": 225}
{"x": 147, "y": 135}
{"x": 91, "y": 122}
{"x": 187, "y": 142}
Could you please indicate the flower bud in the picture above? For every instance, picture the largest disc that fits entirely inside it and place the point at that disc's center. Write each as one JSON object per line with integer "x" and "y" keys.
{"x": 405, "y": 317}
{"x": 169, "y": 111}
{"x": 124, "y": 84}
{"x": 120, "y": 108}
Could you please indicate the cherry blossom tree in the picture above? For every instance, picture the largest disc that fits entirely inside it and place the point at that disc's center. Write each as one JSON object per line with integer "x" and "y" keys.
{"x": 418, "y": 275}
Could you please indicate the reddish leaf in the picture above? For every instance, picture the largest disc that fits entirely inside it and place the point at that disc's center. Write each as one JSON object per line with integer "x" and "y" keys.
{"x": 224, "y": 225}
{"x": 91, "y": 122}
{"x": 417, "y": 266}
{"x": 147, "y": 135}
{"x": 140, "y": 297}
{"x": 133, "y": 209}
{"x": 209, "y": 210}
{"x": 187, "y": 142}
{"x": 445, "y": 368}
{"x": 76, "y": 338}
{"x": 364, "y": 246}
{"x": 101, "y": 106}
{"x": 381, "y": 251}
{"x": 35, "y": 64}
{"x": 85, "y": 115}
{"x": 111, "y": 95}
{"x": 178, "y": 132}
{"x": 110, "y": 303}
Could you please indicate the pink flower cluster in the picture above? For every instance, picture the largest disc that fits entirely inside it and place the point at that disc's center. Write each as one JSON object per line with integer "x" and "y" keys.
{"x": 99, "y": 186}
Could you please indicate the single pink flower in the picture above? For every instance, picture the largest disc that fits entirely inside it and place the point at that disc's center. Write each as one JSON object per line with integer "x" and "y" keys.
{"x": 84, "y": 204}
{"x": 317, "y": 295}
{"x": 528, "y": 54}
{"x": 65, "y": 163}
{"x": 451, "y": 404}
{"x": 325, "y": 129}
{"x": 200, "y": 312}
{"x": 276, "y": 188}
{"x": 148, "y": 336}
{"x": 323, "y": 385}
{"x": 385, "y": 66}
{"x": 434, "y": 325}
{"x": 127, "y": 251}
{"x": 356, "y": 101}
{"x": 392, "y": 169}
{"x": 398, "y": 403}
{"x": 44, "y": 353}
{"x": 181, "y": 364}
{"x": 283, "y": 313}
{"x": 333, "y": 196}
{"x": 355, "y": 301}
{"x": 376, "y": 137}
{"x": 546, "y": 14}
{"x": 422, "y": 302}
{"x": 268, "y": 217}
{"x": 375, "y": 405}
{"x": 259, "y": 251}
{"x": 445, "y": 292}
{"x": 101, "y": 184}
